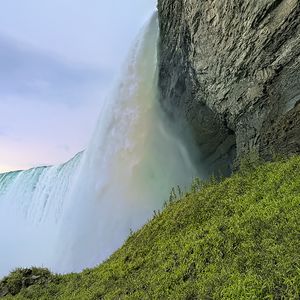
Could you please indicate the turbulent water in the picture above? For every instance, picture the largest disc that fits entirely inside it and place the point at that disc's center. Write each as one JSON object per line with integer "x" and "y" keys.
{"x": 75, "y": 215}
{"x": 31, "y": 206}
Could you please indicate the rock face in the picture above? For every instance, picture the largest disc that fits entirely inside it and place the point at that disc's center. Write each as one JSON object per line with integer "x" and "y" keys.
{"x": 231, "y": 68}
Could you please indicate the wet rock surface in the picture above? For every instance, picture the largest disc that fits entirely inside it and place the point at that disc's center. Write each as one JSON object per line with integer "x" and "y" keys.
{"x": 232, "y": 70}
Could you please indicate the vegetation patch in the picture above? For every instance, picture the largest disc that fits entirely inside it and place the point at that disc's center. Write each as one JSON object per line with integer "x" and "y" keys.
{"x": 237, "y": 239}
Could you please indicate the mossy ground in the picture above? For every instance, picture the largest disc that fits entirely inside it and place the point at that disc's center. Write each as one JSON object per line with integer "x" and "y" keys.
{"x": 238, "y": 239}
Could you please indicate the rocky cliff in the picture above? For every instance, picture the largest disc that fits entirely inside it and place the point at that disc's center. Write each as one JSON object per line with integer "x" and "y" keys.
{"x": 231, "y": 68}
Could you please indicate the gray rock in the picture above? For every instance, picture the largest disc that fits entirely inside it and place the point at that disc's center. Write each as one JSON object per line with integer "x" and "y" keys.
{"x": 4, "y": 292}
{"x": 231, "y": 68}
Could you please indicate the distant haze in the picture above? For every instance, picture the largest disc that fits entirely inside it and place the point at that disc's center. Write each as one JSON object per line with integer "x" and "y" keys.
{"x": 58, "y": 58}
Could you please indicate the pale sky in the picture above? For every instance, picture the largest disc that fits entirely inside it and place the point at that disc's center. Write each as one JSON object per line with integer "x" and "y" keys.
{"x": 58, "y": 59}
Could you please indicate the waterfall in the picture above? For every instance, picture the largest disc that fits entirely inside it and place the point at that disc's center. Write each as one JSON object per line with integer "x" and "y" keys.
{"x": 74, "y": 216}
{"x": 31, "y": 206}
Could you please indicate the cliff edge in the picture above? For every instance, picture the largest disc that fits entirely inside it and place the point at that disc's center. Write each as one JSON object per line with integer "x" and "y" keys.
{"x": 232, "y": 70}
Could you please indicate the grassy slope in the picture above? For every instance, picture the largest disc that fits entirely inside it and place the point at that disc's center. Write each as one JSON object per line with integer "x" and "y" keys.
{"x": 238, "y": 239}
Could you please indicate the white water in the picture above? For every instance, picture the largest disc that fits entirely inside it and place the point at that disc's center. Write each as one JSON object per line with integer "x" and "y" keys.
{"x": 74, "y": 216}
{"x": 31, "y": 206}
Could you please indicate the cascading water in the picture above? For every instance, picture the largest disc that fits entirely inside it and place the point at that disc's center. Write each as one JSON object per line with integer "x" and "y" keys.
{"x": 74, "y": 216}
{"x": 31, "y": 206}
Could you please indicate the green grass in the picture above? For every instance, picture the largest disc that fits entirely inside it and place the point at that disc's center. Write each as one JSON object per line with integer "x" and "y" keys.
{"x": 238, "y": 239}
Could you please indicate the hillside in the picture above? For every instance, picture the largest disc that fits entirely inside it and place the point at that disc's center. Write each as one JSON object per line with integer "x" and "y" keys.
{"x": 238, "y": 239}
